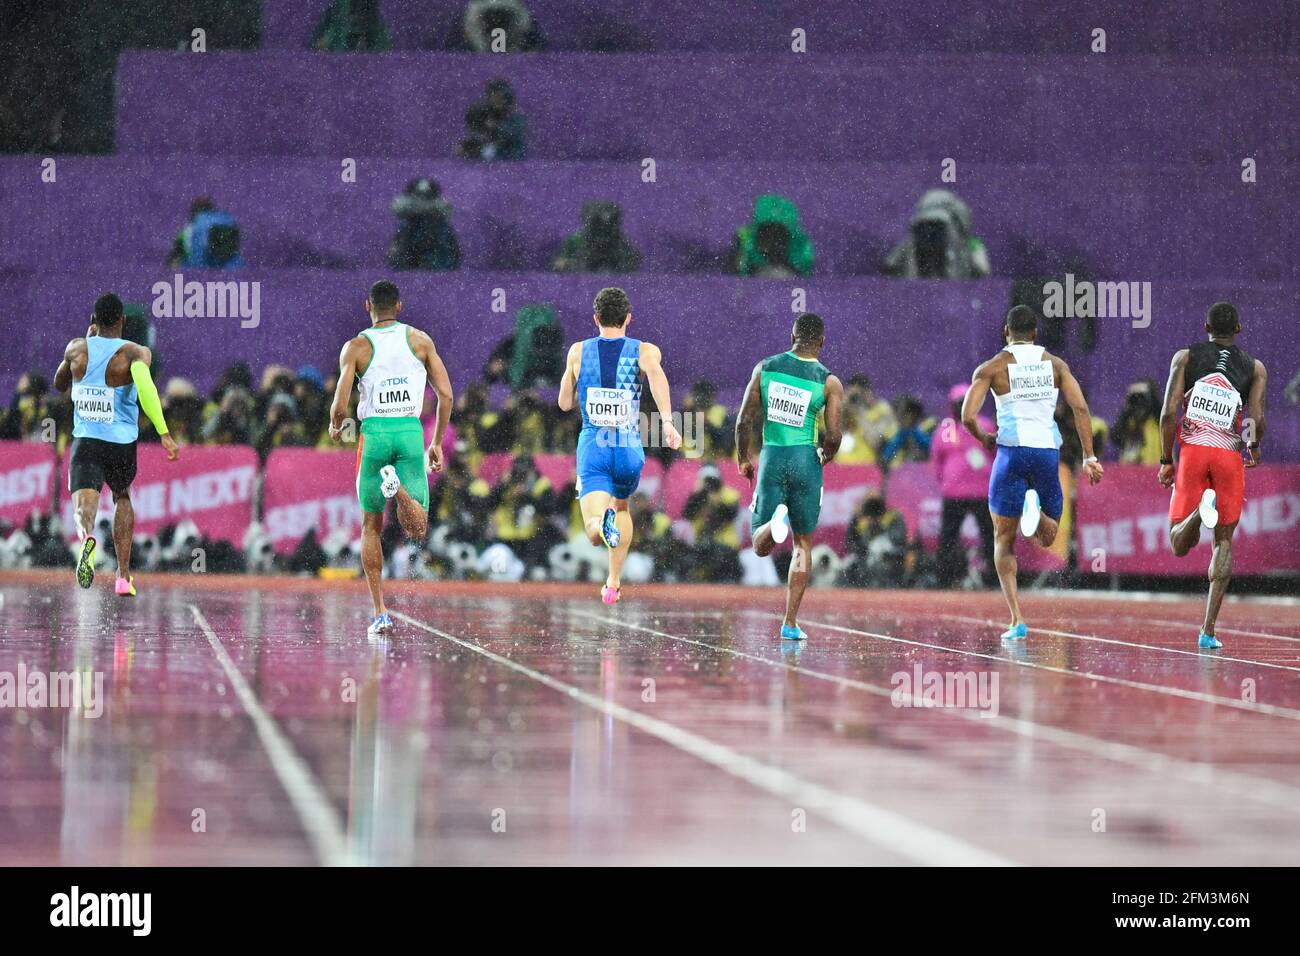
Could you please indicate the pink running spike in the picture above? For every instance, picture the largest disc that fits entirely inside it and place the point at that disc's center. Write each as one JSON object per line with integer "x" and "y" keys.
{"x": 125, "y": 587}
{"x": 609, "y": 595}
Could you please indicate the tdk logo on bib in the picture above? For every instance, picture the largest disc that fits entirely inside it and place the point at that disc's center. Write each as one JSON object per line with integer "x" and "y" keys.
{"x": 394, "y": 391}
{"x": 94, "y": 403}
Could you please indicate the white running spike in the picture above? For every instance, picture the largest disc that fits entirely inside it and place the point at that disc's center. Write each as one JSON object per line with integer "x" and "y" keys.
{"x": 390, "y": 483}
{"x": 1208, "y": 508}
{"x": 780, "y": 524}
{"x": 1031, "y": 514}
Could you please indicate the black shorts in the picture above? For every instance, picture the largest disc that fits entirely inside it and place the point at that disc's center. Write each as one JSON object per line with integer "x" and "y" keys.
{"x": 95, "y": 463}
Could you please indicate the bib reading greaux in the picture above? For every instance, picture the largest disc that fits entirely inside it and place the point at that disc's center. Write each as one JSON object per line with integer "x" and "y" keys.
{"x": 1212, "y": 404}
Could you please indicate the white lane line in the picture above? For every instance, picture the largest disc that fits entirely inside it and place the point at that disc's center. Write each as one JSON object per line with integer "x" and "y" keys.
{"x": 1272, "y": 710}
{"x": 1227, "y": 630}
{"x": 876, "y": 825}
{"x": 315, "y": 812}
{"x": 1113, "y": 640}
{"x": 1239, "y": 784}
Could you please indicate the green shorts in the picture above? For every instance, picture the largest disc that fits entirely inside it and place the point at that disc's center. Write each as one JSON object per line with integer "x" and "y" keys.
{"x": 391, "y": 441}
{"x": 791, "y": 474}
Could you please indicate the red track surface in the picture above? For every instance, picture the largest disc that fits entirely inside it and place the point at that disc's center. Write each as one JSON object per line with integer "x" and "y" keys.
{"x": 514, "y": 724}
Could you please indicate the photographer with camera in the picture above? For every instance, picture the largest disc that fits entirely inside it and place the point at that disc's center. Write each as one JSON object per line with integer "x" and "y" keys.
{"x": 425, "y": 238}
{"x": 497, "y": 130}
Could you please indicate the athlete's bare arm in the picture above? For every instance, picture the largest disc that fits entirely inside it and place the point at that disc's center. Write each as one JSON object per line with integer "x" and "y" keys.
{"x": 652, "y": 367}
{"x": 1255, "y": 409}
{"x": 1073, "y": 396}
{"x": 830, "y": 445}
{"x": 747, "y": 423}
{"x": 348, "y": 359}
{"x": 980, "y": 383}
{"x": 1174, "y": 389}
{"x": 569, "y": 383}
{"x": 440, "y": 382}
{"x": 74, "y": 356}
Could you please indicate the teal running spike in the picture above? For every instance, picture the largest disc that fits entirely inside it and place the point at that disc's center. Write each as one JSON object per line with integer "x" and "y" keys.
{"x": 1016, "y": 633}
{"x": 1208, "y": 642}
{"x": 795, "y": 633}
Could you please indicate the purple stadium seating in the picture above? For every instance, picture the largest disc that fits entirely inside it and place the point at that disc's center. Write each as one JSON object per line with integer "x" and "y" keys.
{"x": 1069, "y": 111}
{"x": 1122, "y": 223}
{"x": 935, "y": 26}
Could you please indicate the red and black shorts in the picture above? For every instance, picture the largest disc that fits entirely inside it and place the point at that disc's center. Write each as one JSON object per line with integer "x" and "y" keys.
{"x": 1205, "y": 466}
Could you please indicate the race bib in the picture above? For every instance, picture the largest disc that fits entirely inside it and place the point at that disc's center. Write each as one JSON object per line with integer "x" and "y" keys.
{"x": 787, "y": 404}
{"x": 95, "y": 403}
{"x": 609, "y": 407}
{"x": 1213, "y": 403}
{"x": 397, "y": 398}
{"x": 1032, "y": 382}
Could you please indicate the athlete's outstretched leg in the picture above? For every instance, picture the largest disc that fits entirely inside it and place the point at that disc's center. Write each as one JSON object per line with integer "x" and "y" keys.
{"x": 1184, "y": 535}
{"x": 623, "y": 518}
{"x": 1220, "y": 574}
{"x": 412, "y": 517}
{"x": 86, "y": 502}
{"x": 123, "y": 533}
{"x": 800, "y": 572}
{"x": 372, "y": 559}
{"x": 1004, "y": 560}
{"x": 87, "y": 506}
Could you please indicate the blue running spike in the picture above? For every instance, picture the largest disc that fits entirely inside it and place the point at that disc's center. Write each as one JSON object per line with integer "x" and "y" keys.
{"x": 609, "y": 530}
{"x": 1208, "y": 642}
{"x": 795, "y": 633}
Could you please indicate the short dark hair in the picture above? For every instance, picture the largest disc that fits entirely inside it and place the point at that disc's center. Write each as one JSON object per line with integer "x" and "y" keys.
{"x": 1022, "y": 320}
{"x": 1222, "y": 319}
{"x": 384, "y": 296}
{"x": 612, "y": 307}
{"x": 108, "y": 310}
{"x": 809, "y": 328}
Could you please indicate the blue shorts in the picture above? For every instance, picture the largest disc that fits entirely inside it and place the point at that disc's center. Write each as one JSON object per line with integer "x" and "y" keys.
{"x": 607, "y": 466}
{"x": 1017, "y": 469}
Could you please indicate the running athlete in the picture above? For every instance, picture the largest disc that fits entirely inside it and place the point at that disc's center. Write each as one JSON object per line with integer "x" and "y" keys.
{"x": 1212, "y": 381}
{"x": 1025, "y": 486}
{"x": 785, "y": 393}
{"x": 110, "y": 382}
{"x": 603, "y": 375}
{"x": 391, "y": 362}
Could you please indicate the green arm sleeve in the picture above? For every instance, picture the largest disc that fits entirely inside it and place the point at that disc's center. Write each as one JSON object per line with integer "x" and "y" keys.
{"x": 148, "y": 393}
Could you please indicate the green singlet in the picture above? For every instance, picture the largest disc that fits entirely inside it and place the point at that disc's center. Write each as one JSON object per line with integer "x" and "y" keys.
{"x": 793, "y": 391}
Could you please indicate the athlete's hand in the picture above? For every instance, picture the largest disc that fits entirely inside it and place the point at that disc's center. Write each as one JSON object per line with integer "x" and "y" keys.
{"x": 747, "y": 470}
{"x": 173, "y": 450}
{"x": 672, "y": 437}
{"x": 435, "y": 458}
{"x": 336, "y": 434}
{"x": 1252, "y": 456}
{"x": 1167, "y": 475}
{"x": 1093, "y": 470}
{"x": 990, "y": 442}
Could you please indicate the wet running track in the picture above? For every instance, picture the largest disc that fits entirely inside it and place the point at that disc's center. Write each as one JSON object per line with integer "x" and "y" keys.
{"x": 251, "y": 721}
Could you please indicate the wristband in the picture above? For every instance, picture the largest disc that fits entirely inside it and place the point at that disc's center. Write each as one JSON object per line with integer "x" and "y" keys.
{"x": 1166, "y": 461}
